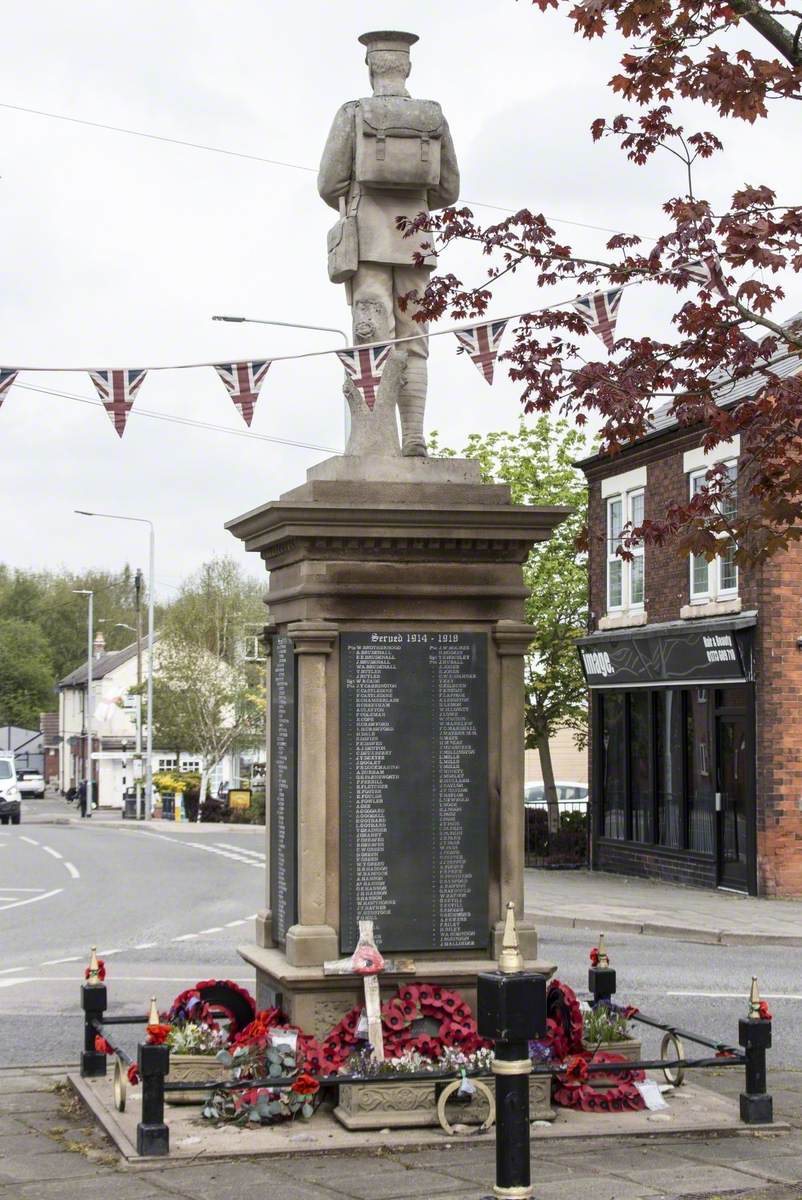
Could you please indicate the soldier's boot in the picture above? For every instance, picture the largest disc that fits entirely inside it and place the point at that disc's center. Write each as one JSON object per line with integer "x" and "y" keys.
{"x": 411, "y": 405}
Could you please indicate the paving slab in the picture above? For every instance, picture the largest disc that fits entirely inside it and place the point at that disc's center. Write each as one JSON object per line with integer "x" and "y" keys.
{"x": 32, "y": 1168}
{"x": 245, "y": 1181}
{"x": 118, "y": 1187}
{"x": 29, "y": 1102}
{"x": 596, "y": 900}
{"x": 595, "y": 1187}
{"x": 779, "y": 1168}
{"x": 685, "y": 1179}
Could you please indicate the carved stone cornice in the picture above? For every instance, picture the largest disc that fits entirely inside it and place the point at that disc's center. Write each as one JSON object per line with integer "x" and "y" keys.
{"x": 312, "y": 637}
{"x": 513, "y": 637}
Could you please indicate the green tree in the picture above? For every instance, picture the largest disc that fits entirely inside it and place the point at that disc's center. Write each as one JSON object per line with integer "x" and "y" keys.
{"x": 536, "y": 461}
{"x": 26, "y": 673}
{"x": 216, "y": 608}
{"x": 203, "y": 704}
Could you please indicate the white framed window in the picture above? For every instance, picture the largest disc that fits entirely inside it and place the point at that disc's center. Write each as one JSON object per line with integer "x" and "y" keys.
{"x": 625, "y": 577}
{"x": 718, "y": 578}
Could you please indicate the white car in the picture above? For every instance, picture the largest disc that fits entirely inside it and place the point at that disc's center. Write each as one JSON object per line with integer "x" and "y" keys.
{"x": 31, "y": 783}
{"x": 570, "y": 794}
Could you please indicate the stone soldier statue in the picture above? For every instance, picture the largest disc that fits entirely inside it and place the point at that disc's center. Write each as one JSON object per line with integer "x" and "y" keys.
{"x": 388, "y": 155}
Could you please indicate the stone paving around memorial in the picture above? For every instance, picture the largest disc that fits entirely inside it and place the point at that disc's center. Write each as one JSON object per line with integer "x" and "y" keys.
{"x": 50, "y": 1150}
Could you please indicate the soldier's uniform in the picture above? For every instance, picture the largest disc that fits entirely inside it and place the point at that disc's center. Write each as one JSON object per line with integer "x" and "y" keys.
{"x": 386, "y": 267}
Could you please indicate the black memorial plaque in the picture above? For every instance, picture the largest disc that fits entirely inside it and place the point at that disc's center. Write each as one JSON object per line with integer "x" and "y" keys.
{"x": 283, "y": 793}
{"x": 414, "y": 790}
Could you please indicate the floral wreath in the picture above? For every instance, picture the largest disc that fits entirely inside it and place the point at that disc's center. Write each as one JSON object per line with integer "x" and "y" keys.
{"x": 198, "y": 1002}
{"x": 563, "y": 1043}
{"x": 255, "y": 1035}
{"x": 412, "y": 1002}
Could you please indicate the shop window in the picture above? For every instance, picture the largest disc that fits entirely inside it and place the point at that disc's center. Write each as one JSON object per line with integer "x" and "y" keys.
{"x": 669, "y": 767}
{"x": 613, "y": 733}
{"x": 640, "y": 721}
{"x": 701, "y": 790}
{"x": 716, "y": 579}
{"x": 625, "y": 577}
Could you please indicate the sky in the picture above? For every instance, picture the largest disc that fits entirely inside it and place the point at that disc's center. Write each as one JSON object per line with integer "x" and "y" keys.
{"x": 117, "y": 250}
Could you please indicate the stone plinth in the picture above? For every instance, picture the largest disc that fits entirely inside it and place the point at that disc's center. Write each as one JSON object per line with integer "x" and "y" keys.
{"x": 400, "y": 546}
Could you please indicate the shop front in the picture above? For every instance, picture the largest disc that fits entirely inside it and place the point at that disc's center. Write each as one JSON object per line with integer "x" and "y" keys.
{"x": 673, "y": 752}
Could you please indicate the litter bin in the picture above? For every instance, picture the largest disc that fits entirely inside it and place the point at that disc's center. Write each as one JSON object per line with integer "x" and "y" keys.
{"x": 129, "y": 806}
{"x": 168, "y": 806}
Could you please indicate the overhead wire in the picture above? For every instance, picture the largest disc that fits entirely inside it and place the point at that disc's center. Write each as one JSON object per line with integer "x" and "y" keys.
{"x": 273, "y": 162}
{"x": 191, "y": 421}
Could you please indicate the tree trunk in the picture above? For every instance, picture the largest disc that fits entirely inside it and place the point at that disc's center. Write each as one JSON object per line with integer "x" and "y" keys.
{"x": 549, "y": 786}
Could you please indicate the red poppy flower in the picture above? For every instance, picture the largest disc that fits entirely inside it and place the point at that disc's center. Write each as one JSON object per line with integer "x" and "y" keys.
{"x": 426, "y": 993}
{"x": 409, "y": 1009}
{"x": 157, "y": 1034}
{"x": 305, "y": 1085}
{"x": 409, "y": 991}
{"x": 102, "y": 1046}
{"x": 101, "y": 970}
{"x": 133, "y": 1075}
{"x": 393, "y": 1017}
{"x": 594, "y": 956}
{"x": 764, "y": 1013}
{"x": 450, "y": 1001}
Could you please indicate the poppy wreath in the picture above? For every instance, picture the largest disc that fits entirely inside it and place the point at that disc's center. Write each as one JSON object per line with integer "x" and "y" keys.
{"x": 412, "y": 1002}
{"x": 256, "y": 1033}
{"x": 564, "y": 1023}
{"x": 197, "y": 1003}
{"x": 572, "y": 1089}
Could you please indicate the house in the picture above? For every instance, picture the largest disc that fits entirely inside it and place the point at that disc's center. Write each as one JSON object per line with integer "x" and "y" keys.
{"x": 48, "y": 723}
{"x": 695, "y": 676}
{"x": 114, "y": 675}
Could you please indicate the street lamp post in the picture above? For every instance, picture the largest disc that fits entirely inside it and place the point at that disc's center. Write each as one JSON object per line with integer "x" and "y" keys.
{"x": 88, "y": 710}
{"x": 151, "y": 590}
{"x": 295, "y": 325}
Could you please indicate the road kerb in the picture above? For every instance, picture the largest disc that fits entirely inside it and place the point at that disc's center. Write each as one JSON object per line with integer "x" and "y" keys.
{"x": 695, "y": 933}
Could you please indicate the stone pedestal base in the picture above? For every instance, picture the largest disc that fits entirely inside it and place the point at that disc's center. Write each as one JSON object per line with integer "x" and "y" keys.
{"x": 414, "y": 1105}
{"x": 316, "y": 1002}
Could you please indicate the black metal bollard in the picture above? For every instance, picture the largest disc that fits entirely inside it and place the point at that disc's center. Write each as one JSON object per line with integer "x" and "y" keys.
{"x": 601, "y": 976}
{"x": 93, "y": 1001}
{"x": 152, "y": 1134}
{"x": 511, "y": 1010}
{"x": 754, "y": 1034}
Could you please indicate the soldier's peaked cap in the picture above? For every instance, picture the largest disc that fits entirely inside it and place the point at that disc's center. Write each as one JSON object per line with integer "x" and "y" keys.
{"x": 388, "y": 39}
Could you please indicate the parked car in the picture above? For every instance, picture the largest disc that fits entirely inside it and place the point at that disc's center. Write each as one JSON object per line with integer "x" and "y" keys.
{"x": 570, "y": 794}
{"x": 31, "y": 783}
{"x": 10, "y": 808}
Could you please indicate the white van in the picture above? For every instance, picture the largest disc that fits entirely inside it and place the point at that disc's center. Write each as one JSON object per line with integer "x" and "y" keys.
{"x": 10, "y": 808}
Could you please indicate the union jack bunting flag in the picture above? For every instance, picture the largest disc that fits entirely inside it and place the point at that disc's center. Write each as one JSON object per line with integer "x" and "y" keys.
{"x": 599, "y": 311}
{"x": 481, "y": 344}
{"x": 117, "y": 390}
{"x": 364, "y": 366}
{"x": 6, "y": 380}
{"x": 243, "y": 381}
{"x": 704, "y": 271}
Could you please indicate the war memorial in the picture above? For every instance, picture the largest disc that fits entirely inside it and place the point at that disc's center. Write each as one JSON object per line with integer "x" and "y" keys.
{"x": 396, "y": 634}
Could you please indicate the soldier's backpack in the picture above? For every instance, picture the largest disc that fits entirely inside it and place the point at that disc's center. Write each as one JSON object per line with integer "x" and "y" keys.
{"x": 398, "y": 142}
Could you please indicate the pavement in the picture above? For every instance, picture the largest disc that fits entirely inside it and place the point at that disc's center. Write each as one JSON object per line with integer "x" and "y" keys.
{"x": 51, "y": 1150}
{"x": 599, "y": 902}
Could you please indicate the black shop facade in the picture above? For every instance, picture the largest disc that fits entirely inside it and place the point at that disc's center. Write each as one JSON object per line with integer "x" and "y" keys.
{"x": 673, "y": 751}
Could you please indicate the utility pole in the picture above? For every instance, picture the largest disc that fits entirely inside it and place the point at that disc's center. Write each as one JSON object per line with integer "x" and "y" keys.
{"x": 88, "y": 707}
{"x": 138, "y": 594}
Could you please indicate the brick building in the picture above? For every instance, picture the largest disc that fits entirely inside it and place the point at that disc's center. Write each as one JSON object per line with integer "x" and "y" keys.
{"x": 695, "y": 677}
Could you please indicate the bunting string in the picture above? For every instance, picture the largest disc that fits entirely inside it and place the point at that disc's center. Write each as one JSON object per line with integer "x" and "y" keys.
{"x": 481, "y": 341}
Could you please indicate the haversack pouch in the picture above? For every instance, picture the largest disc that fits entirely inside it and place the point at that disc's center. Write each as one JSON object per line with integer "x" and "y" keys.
{"x": 343, "y": 247}
{"x": 398, "y": 142}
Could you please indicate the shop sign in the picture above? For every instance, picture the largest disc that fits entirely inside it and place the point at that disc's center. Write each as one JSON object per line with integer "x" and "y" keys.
{"x": 239, "y": 798}
{"x": 683, "y": 657}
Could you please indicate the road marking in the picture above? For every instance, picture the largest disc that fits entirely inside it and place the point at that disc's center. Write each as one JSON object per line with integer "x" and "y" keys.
{"x": 11, "y": 970}
{"x": 738, "y": 995}
{"x": 185, "y": 937}
{"x": 231, "y": 924}
{"x": 49, "y": 850}
{"x": 145, "y": 945}
{"x": 252, "y": 917}
{"x": 212, "y": 929}
{"x": 32, "y": 899}
{"x": 76, "y": 874}
{"x": 30, "y": 841}
{"x": 108, "y": 953}
{"x": 54, "y": 962}
{"x": 240, "y": 849}
{"x": 118, "y": 978}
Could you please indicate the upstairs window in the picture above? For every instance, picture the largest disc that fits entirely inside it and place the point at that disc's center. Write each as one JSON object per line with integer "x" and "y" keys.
{"x": 718, "y": 578}
{"x": 625, "y": 577}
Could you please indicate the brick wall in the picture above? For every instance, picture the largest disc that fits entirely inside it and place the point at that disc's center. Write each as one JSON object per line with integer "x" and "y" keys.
{"x": 779, "y": 725}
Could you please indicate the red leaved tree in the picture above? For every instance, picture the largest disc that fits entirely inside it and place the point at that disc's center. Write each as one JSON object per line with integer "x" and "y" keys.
{"x": 730, "y": 364}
